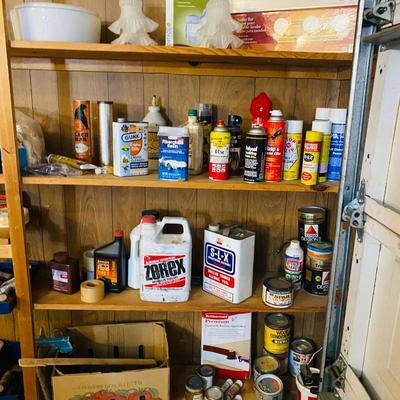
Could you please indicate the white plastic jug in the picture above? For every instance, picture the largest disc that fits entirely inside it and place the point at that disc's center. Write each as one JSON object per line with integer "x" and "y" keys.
{"x": 164, "y": 260}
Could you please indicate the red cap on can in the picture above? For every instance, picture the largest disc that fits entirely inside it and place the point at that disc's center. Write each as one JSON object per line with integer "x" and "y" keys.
{"x": 148, "y": 219}
{"x": 220, "y": 122}
{"x": 119, "y": 234}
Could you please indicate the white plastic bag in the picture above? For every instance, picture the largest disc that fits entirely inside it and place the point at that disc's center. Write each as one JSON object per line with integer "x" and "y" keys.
{"x": 30, "y": 134}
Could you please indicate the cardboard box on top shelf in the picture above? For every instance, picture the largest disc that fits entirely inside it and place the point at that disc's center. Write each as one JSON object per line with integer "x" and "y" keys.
{"x": 288, "y": 25}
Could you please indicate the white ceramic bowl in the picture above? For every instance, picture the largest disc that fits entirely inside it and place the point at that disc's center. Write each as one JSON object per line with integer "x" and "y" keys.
{"x": 55, "y": 22}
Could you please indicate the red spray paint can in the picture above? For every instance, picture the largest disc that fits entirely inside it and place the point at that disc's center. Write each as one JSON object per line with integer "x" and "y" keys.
{"x": 275, "y": 129}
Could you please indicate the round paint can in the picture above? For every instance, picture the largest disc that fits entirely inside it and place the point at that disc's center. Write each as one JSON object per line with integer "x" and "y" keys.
{"x": 277, "y": 333}
{"x": 267, "y": 364}
{"x": 269, "y": 387}
{"x": 278, "y": 292}
{"x": 213, "y": 393}
{"x": 300, "y": 353}
{"x": 282, "y": 359}
{"x": 312, "y": 224}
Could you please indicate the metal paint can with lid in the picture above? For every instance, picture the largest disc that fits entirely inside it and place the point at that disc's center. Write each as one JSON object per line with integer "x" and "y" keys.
{"x": 206, "y": 373}
{"x": 267, "y": 364}
{"x": 213, "y": 393}
{"x": 282, "y": 359}
{"x": 278, "y": 292}
{"x": 312, "y": 224}
{"x": 277, "y": 333}
{"x": 300, "y": 353}
{"x": 269, "y": 387}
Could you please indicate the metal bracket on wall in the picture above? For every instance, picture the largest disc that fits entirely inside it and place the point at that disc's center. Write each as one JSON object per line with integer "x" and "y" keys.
{"x": 354, "y": 212}
{"x": 337, "y": 375}
{"x": 382, "y": 14}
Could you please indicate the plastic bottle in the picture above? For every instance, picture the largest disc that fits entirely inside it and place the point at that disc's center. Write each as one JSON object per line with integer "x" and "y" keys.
{"x": 155, "y": 119}
{"x": 338, "y": 119}
{"x": 233, "y": 390}
{"x": 110, "y": 263}
{"x": 196, "y": 141}
{"x": 293, "y": 266}
{"x": 228, "y": 383}
{"x": 325, "y": 128}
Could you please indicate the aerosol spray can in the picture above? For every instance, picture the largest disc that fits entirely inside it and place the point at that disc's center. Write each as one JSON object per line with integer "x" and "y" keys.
{"x": 325, "y": 128}
{"x": 312, "y": 150}
{"x": 220, "y": 139}
{"x": 235, "y": 150}
{"x": 83, "y": 149}
{"x": 338, "y": 119}
{"x": 276, "y": 132}
{"x": 254, "y": 155}
{"x": 293, "y": 143}
{"x": 105, "y": 134}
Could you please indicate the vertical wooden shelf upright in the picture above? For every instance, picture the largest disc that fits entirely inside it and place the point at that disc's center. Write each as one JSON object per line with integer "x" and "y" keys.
{"x": 12, "y": 178}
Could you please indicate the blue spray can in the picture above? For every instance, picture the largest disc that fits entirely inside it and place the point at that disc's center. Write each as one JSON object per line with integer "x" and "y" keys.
{"x": 338, "y": 119}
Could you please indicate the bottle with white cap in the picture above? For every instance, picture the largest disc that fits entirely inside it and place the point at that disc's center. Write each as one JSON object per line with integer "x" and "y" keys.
{"x": 325, "y": 128}
{"x": 323, "y": 114}
{"x": 338, "y": 119}
{"x": 293, "y": 143}
{"x": 233, "y": 390}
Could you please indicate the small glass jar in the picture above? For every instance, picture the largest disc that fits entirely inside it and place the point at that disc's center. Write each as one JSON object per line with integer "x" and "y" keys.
{"x": 194, "y": 388}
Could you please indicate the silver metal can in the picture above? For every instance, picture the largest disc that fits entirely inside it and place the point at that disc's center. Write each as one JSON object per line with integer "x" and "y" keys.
{"x": 269, "y": 387}
{"x": 300, "y": 353}
{"x": 105, "y": 133}
{"x": 213, "y": 393}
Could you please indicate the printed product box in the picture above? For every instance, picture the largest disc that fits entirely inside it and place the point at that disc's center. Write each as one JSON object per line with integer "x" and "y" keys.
{"x": 226, "y": 343}
{"x": 108, "y": 381}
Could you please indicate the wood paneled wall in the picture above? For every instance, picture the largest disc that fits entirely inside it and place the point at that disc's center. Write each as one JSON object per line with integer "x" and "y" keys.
{"x": 78, "y": 218}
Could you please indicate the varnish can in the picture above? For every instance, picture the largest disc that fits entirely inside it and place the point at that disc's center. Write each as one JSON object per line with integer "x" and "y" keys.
{"x": 220, "y": 139}
{"x": 254, "y": 155}
{"x": 278, "y": 292}
{"x": 213, "y": 393}
{"x": 318, "y": 268}
{"x": 312, "y": 224}
{"x": 83, "y": 148}
{"x": 293, "y": 143}
{"x": 311, "y": 155}
{"x": 269, "y": 387}
{"x": 276, "y": 133}
{"x": 277, "y": 333}
{"x": 267, "y": 364}
{"x": 300, "y": 353}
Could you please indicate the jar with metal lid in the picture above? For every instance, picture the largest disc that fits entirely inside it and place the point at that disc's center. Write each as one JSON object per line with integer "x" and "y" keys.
{"x": 214, "y": 393}
{"x": 312, "y": 224}
{"x": 278, "y": 292}
{"x": 194, "y": 388}
{"x": 277, "y": 333}
{"x": 206, "y": 373}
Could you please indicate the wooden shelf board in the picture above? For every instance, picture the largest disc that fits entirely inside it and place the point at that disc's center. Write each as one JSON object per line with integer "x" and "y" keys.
{"x": 180, "y": 373}
{"x": 2, "y": 180}
{"x": 201, "y": 182}
{"x": 167, "y": 53}
{"x": 45, "y": 298}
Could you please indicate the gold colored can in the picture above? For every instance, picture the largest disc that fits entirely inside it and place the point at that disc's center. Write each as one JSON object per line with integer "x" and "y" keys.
{"x": 277, "y": 333}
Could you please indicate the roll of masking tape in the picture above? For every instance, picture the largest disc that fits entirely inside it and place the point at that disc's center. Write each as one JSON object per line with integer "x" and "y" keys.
{"x": 92, "y": 291}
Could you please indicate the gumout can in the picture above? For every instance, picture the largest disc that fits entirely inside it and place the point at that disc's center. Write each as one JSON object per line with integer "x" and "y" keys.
{"x": 312, "y": 151}
{"x": 277, "y": 333}
{"x": 267, "y": 364}
{"x": 338, "y": 119}
{"x": 276, "y": 131}
{"x": 254, "y": 155}
{"x": 300, "y": 353}
{"x": 312, "y": 225}
{"x": 268, "y": 387}
{"x": 325, "y": 128}
{"x": 220, "y": 140}
{"x": 235, "y": 150}
{"x": 82, "y": 131}
{"x": 293, "y": 143}
{"x": 278, "y": 292}
{"x": 318, "y": 268}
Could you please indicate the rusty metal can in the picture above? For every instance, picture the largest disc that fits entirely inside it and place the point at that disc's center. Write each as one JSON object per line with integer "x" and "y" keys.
{"x": 83, "y": 147}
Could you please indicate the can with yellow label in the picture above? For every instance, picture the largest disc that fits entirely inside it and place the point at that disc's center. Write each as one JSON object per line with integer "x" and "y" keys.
{"x": 312, "y": 151}
{"x": 293, "y": 142}
{"x": 277, "y": 333}
{"x": 220, "y": 139}
{"x": 325, "y": 128}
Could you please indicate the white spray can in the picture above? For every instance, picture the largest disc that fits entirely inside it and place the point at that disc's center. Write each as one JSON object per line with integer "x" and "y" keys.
{"x": 293, "y": 266}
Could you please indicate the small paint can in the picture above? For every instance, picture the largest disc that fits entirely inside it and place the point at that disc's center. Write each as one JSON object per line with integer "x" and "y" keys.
{"x": 278, "y": 292}
{"x": 318, "y": 268}
{"x": 277, "y": 333}
{"x": 207, "y": 373}
{"x": 213, "y": 393}
{"x": 194, "y": 388}
{"x": 300, "y": 353}
{"x": 269, "y": 387}
{"x": 282, "y": 359}
{"x": 312, "y": 225}
{"x": 267, "y": 364}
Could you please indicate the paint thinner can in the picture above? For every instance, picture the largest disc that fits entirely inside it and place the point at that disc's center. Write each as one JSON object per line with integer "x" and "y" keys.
{"x": 293, "y": 144}
{"x": 106, "y": 133}
{"x": 220, "y": 139}
{"x": 300, "y": 353}
{"x": 318, "y": 268}
{"x": 278, "y": 292}
{"x": 338, "y": 119}
{"x": 312, "y": 225}
{"x": 267, "y": 364}
{"x": 325, "y": 128}
{"x": 276, "y": 132}
{"x": 269, "y": 387}
{"x": 277, "y": 333}
{"x": 83, "y": 147}
{"x": 235, "y": 150}
{"x": 311, "y": 155}
{"x": 254, "y": 155}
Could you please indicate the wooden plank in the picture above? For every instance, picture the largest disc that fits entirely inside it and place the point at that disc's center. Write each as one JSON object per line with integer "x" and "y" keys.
{"x": 156, "y": 84}
{"x": 22, "y": 94}
{"x": 5, "y": 251}
{"x": 7, "y": 326}
{"x": 45, "y": 362}
{"x": 14, "y": 198}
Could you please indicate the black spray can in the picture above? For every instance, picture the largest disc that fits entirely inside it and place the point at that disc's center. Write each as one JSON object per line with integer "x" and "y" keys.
{"x": 235, "y": 150}
{"x": 254, "y": 155}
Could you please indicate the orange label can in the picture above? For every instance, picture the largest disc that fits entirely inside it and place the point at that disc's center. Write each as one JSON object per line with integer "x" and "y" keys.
{"x": 82, "y": 130}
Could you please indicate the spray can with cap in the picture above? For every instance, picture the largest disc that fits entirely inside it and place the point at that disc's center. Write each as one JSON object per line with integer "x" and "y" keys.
{"x": 293, "y": 143}
{"x": 338, "y": 118}
{"x": 325, "y": 128}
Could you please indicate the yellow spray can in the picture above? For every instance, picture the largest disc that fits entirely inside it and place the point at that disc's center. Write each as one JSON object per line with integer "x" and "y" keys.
{"x": 325, "y": 128}
{"x": 293, "y": 142}
{"x": 312, "y": 150}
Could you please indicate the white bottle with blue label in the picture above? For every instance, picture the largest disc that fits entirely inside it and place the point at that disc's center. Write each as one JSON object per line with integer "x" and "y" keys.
{"x": 338, "y": 118}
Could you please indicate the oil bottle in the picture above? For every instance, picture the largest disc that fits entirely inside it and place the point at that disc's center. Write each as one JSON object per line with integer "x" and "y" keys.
{"x": 110, "y": 264}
